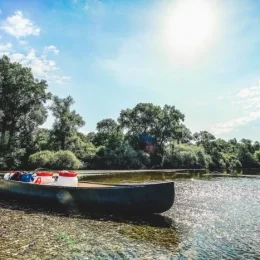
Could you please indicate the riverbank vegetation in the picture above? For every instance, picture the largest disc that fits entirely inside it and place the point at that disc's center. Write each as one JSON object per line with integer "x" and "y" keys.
{"x": 145, "y": 136}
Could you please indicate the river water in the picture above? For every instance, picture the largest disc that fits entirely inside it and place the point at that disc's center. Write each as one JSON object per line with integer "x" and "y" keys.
{"x": 216, "y": 218}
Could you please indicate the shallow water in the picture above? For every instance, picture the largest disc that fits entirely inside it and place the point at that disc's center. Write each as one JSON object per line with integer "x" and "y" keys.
{"x": 211, "y": 219}
{"x": 221, "y": 218}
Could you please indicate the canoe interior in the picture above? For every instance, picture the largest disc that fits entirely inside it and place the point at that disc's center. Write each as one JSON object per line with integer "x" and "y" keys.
{"x": 92, "y": 185}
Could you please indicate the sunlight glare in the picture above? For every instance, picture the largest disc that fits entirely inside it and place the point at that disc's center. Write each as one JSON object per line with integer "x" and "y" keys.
{"x": 189, "y": 28}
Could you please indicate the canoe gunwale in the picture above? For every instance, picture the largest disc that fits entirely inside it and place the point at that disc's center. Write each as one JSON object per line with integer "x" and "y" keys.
{"x": 106, "y": 185}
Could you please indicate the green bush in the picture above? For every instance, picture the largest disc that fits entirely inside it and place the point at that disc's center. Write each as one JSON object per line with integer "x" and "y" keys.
{"x": 42, "y": 159}
{"x": 58, "y": 160}
{"x": 65, "y": 160}
{"x": 231, "y": 162}
{"x": 257, "y": 156}
{"x": 122, "y": 157}
{"x": 185, "y": 156}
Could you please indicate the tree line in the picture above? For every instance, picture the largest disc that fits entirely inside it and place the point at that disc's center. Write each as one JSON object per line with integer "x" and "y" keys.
{"x": 145, "y": 136}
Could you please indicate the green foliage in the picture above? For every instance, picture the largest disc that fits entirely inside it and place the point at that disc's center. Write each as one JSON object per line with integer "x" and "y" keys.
{"x": 257, "y": 156}
{"x": 66, "y": 122}
{"x": 109, "y": 133}
{"x": 42, "y": 139}
{"x": 84, "y": 150}
{"x": 43, "y": 159}
{"x": 185, "y": 156}
{"x": 123, "y": 157}
{"x": 54, "y": 160}
{"x": 22, "y": 99}
{"x": 162, "y": 124}
{"x": 231, "y": 162}
{"x": 186, "y": 135}
{"x": 205, "y": 139}
{"x": 65, "y": 160}
{"x": 146, "y": 136}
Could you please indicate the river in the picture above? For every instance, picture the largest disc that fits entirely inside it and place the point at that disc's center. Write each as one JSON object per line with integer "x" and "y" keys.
{"x": 217, "y": 218}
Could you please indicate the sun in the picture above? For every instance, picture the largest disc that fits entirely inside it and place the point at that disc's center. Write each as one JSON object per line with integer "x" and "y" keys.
{"x": 189, "y": 27}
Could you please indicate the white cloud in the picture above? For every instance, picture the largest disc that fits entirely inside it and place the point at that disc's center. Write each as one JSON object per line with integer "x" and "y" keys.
{"x": 5, "y": 49}
{"x": 0, "y": 11}
{"x": 41, "y": 66}
{"x": 19, "y": 26}
{"x": 249, "y": 92}
{"x": 61, "y": 79}
{"x": 231, "y": 125}
{"x": 17, "y": 57}
{"x": 248, "y": 100}
{"x": 51, "y": 48}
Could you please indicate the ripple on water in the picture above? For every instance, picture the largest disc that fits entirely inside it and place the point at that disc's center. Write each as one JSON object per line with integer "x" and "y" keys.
{"x": 223, "y": 216}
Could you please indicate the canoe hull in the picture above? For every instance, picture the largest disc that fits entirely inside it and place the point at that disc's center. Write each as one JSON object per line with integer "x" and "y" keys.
{"x": 145, "y": 198}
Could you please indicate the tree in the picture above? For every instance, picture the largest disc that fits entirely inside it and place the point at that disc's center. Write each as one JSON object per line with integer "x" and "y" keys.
{"x": 83, "y": 149}
{"x": 66, "y": 122}
{"x": 205, "y": 139}
{"x": 22, "y": 99}
{"x": 256, "y": 146}
{"x": 247, "y": 159}
{"x": 107, "y": 126}
{"x": 91, "y": 137}
{"x": 29, "y": 131}
{"x": 247, "y": 144}
{"x": 186, "y": 135}
{"x": 153, "y": 126}
{"x": 42, "y": 139}
{"x": 108, "y": 134}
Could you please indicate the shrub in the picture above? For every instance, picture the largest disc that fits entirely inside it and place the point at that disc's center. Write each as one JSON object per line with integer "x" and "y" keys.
{"x": 257, "y": 156}
{"x": 42, "y": 159}
{"x": 231, "y": 162}
{"x": 185, "y": 156}
{"x": 122, "y": 157}
{"x": 65, "y": 160}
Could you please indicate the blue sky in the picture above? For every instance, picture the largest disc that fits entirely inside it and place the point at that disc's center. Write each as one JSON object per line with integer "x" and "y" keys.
{"x": 201, "y": 56}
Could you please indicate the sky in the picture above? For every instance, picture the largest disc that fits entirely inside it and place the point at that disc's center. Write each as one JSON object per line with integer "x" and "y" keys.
{"x": 202, "y": 56}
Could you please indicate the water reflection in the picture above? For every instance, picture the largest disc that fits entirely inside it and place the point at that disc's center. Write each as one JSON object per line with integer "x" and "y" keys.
{"x": 116, "y": 178}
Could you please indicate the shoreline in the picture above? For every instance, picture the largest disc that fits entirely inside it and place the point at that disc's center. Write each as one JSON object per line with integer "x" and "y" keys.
{"x": 176, "y": 172}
